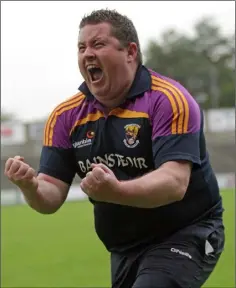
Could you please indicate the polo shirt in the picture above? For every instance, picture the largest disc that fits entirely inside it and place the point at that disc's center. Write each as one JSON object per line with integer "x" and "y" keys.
{"x": 159, "y": 121}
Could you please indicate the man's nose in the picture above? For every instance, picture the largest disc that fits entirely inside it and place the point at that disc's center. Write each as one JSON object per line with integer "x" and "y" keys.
{"x": 89, "y": 53}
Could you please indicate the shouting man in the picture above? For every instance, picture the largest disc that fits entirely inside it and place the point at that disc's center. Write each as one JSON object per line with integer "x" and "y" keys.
{"x": 136, "y": 139}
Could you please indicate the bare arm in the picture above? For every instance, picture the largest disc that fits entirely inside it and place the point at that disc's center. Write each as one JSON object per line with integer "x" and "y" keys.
{"x": 43, "y": 193}
{"x": 163, "y": 186}
{"x": 51, "y": 193}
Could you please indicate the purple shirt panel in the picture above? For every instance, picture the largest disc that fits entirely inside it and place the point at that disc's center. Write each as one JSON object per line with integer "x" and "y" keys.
{"x": 162, "y": 112}
{"x": 67, "y": 119}
{"x": 141, "y": 104}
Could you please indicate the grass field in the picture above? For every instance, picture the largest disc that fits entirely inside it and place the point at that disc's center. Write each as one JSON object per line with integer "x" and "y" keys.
{"x": 62, "y": 250}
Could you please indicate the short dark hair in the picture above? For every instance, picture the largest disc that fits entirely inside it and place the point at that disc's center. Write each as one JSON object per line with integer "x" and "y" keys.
{"x": 122, "y": 27}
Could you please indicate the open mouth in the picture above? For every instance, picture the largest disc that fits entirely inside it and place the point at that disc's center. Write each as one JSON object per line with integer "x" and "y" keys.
{"x": 95, "y": 73}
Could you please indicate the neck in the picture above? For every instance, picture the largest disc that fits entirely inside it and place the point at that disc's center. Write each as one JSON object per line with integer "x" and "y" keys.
{"x": 118, "y": 98}
{"x": 120, "y": 95}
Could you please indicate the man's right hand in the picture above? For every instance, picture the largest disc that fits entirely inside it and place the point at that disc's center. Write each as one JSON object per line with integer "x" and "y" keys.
{"x": 42, "y": 192}
{"x": 21, "y": 174}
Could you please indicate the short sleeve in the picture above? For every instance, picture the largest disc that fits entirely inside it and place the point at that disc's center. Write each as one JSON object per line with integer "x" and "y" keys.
{"x": 57, "y": 157}
{"x": 176, "y": 125}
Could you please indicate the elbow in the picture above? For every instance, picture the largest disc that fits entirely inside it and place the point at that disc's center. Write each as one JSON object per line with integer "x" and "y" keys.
{"x": 45, "y": 212}
{"x": 180, "y": 189}
{"x": 43, "y": 209}
{"x": 177, "y": 177}
{"x": 179, "y": 195}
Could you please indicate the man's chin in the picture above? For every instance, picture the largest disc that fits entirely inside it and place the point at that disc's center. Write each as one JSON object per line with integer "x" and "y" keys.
{"x": 99, "y": 92}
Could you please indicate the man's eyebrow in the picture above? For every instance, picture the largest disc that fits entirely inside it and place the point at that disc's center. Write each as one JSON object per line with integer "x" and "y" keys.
{"x": 94, "y": 39}
{"x": 80, "y": 43}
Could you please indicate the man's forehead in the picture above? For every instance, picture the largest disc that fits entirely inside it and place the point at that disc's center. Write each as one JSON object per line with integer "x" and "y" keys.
{"x": 92, "y": 31}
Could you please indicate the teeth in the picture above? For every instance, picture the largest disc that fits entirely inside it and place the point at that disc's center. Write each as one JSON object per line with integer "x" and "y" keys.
{"x": 91, "y": 66}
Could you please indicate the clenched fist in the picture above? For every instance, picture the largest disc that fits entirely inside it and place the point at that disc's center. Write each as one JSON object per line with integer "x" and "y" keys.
{"x": 101, "y": 184}
{"x": 21, "y": 174}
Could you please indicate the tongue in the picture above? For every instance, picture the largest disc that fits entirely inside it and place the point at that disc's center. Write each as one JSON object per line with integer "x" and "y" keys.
{"x": 97, "y": 74}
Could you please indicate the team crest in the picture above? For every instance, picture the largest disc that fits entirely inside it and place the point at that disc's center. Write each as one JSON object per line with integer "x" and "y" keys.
{"x": 131, "y": 135}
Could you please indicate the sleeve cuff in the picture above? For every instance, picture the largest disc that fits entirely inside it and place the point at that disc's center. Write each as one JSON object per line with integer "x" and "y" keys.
{"x": 177, "y": 157}
{"x": 61, "y": 176}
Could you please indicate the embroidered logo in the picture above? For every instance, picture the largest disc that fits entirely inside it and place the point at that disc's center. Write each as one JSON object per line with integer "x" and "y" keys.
{"x": 131, "y": 135}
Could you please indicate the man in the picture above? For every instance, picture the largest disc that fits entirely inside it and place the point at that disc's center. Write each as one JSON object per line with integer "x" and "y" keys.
{"x": 136, "y": 139}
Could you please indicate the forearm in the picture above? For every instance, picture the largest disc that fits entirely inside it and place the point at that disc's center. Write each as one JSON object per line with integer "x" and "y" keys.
{"x": 46, "y": 200}
{"x": 155, "y": 189}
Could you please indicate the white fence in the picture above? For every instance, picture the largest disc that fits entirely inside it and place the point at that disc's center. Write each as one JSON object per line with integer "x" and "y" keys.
{"x": 220, "y": 120}
{"x": 14, "y": 197}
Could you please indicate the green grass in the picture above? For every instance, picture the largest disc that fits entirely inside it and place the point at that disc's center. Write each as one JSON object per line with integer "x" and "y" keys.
{"x": 62, "y": 250}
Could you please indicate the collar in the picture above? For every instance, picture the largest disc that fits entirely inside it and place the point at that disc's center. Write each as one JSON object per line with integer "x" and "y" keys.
{"x": 141, "y": 84}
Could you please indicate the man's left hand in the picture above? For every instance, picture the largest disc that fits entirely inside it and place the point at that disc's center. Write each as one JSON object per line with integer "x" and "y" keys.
{"x": 101, "y": 184}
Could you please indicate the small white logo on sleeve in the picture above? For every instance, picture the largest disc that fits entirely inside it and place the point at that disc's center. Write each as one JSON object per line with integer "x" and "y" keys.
{"x": 208, "y": 248}
{"x": 181, "y": 252}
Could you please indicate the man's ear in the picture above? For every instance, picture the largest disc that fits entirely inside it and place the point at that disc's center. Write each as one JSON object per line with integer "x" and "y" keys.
{"x": 132, "y": 51}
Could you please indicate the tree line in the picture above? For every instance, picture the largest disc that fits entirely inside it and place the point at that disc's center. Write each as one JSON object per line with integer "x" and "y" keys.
{"x": 203, "y": 62}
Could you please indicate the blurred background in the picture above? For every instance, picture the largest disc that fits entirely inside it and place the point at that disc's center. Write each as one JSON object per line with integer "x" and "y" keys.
{"x": 192, "y": 42}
